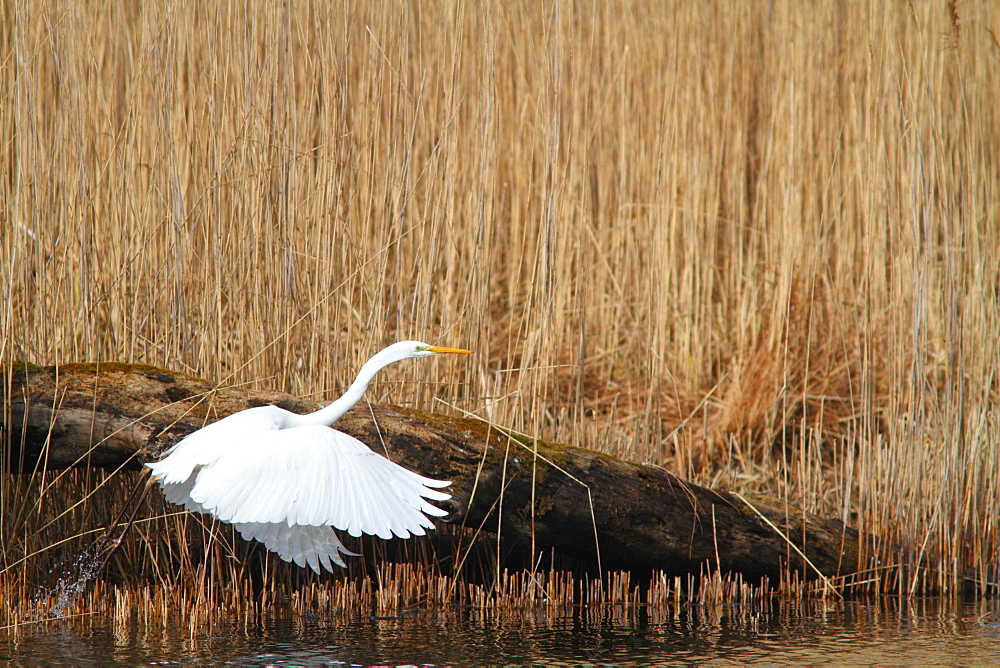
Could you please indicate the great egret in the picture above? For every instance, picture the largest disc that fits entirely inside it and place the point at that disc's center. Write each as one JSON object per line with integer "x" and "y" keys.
{"x": 285, "y": 479}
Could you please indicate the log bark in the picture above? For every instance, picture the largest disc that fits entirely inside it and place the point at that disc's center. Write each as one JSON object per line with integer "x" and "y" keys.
{"x": 536, "y": 494}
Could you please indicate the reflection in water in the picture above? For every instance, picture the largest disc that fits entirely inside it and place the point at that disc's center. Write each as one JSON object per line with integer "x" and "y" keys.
{"x": 924, "y": 631}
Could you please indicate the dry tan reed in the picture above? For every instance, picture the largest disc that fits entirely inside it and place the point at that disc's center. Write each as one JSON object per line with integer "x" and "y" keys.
{"x": 756, "y": 244}
{"x": 395, "y": 590}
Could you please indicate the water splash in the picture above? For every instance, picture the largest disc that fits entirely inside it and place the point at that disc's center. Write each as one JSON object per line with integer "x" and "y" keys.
{"x": 54, "y": 603}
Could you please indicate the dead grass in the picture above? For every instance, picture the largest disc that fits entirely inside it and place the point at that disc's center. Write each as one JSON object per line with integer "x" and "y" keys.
{"x": 394, "y": 590}
{"x": 758, "y": 246}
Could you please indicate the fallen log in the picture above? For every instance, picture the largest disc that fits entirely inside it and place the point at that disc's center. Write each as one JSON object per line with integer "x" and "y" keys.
{"x": 538, "y": 495}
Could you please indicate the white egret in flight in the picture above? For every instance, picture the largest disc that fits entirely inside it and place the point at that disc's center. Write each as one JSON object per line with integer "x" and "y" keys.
{"x": 285, "y": 479}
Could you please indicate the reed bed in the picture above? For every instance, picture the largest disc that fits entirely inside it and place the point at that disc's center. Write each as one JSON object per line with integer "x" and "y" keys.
{"x": 757, "y": 245}
{"x": 396, "y": 590}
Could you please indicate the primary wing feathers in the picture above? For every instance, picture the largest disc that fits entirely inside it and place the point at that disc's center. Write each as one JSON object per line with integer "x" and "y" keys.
{"x": 286, "y": 487}
{"x": 313, "y": 476}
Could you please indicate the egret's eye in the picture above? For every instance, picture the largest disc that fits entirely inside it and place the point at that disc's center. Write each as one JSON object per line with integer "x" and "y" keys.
{"x": 421, "y": 349}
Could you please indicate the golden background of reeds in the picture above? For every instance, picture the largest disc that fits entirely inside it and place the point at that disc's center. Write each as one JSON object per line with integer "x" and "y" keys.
{"x": 755, "y": 243}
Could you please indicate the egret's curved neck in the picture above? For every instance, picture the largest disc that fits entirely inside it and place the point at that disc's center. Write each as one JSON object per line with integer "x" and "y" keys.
{"x": 327, "y": 416}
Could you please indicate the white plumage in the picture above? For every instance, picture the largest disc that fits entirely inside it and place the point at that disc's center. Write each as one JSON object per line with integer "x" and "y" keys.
{"x": 284, "y": 479}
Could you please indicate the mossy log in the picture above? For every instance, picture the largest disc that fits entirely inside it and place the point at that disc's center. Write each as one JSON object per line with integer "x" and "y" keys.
{"x": 539, "y": 495}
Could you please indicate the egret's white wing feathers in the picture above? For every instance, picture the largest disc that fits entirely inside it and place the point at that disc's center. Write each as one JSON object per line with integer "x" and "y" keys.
{"x": 314, "y": 546}
{"x": 286, "y": 487}
{"x": 214, "y": 441}
{"x": 180, "y": 493}
{"x": 316, "y": 476}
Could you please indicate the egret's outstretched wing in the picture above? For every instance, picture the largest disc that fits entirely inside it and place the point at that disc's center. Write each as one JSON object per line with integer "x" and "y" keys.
{"x": 219, "y": 439}
{"x": 316, "y": 476}
{"x": 315, "y": 546}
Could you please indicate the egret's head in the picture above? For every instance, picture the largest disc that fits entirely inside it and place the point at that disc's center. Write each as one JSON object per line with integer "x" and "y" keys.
{"x": 423, "y": 349}
{"x": 406, "y": 349}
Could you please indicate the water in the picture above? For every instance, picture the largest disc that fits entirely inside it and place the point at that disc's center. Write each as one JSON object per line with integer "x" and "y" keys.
{"x": 843, "y": 632}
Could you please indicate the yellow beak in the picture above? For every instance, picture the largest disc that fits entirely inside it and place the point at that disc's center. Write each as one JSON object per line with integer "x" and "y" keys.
{"x": 442, "y": 349}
